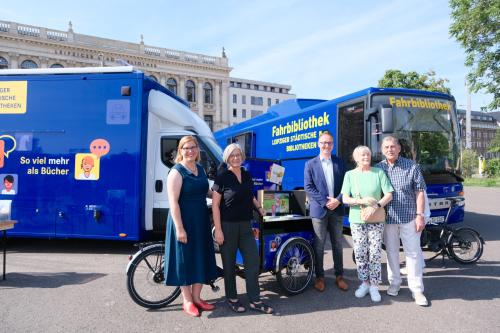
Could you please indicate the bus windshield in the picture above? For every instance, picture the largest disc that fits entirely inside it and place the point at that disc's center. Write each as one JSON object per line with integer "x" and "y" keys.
{"x": 427, "y": 129}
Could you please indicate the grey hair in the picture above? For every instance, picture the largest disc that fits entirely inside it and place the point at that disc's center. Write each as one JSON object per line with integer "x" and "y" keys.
{"x": 229, "y": 150}
{"x": 390, "y": 138}
{"x": 358, "y": 151}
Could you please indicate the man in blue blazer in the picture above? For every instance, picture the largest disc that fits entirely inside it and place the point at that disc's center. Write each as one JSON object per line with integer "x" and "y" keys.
{"x": 323, "y": 177}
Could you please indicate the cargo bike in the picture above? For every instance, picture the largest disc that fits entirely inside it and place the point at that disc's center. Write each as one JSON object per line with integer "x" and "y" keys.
{"x": 284, "y": 239}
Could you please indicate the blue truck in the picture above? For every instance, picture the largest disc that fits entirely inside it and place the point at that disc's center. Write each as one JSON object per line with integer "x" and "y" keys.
{"x": 425, "y": 123}
{"x": 85, "y": 152}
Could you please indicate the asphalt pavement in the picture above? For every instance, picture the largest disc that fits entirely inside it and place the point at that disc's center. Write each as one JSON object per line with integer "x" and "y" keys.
{"x": 79, "y": 286}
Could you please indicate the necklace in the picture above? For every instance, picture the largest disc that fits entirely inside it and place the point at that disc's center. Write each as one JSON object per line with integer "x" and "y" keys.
{"x": 194, "y": 171}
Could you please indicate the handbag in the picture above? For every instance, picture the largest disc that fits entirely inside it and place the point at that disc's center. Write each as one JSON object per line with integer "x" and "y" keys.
{"x": 377, "y": 217}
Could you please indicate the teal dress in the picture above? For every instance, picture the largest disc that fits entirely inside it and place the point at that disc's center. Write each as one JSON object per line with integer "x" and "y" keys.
{"x": 193, "y": 262}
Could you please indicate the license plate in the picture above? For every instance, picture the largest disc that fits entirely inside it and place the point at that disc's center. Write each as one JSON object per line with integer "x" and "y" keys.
{"x": 439, "y": 203}
{"x": 437, "y": 219}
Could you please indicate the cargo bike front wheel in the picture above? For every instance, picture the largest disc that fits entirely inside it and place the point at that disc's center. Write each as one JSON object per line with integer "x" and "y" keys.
{"x": 294, "y": 266}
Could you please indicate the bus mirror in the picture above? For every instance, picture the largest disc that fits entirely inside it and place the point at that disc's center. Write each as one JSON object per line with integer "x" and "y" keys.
{"x": 385, "y": 112}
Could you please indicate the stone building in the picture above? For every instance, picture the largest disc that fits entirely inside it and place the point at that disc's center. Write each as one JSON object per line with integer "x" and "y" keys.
{"x": 249, "y": 98}
{"x": 200, "y": 79}
{"x": 483, "y": 130}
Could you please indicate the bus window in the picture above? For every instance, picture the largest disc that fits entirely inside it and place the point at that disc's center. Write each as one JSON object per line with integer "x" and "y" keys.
{"x": 350, "y": 131}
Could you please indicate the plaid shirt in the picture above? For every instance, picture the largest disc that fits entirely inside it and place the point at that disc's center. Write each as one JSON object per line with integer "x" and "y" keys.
{"x": 406, "y": 178}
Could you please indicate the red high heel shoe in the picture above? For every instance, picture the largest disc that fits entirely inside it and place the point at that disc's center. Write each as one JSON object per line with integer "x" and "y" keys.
{"x": 204, "y": 306}
{"x": 190, "y": 309}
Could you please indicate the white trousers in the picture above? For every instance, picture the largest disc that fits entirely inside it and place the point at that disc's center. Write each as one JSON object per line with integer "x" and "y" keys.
{"x": 413, "y": 253}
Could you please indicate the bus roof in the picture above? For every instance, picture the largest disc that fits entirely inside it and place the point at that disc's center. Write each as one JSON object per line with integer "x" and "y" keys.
{"x": 292, "y": 107}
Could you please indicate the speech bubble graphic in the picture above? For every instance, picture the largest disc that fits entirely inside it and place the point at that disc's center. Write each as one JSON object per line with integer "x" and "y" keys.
{"x": 99, "y": 147}
{"x": 8, "y": 151}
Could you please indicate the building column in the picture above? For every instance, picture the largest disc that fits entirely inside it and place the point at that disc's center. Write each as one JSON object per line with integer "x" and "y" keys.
{"x": 181, "y": 88}
{"x": 225, "y": 104}
{"x": 217, "y": 100}
{"x": 13, "y": 60}
{"x": 199, "y": 99}
{"x": 44, "y": 62}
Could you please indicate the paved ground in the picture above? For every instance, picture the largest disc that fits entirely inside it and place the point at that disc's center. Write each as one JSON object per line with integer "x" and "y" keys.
{"x": 75, "y": 286}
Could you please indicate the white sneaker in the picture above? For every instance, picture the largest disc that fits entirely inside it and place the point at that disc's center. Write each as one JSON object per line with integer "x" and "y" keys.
{"x": 362, "y": 290}
{"x": 393, "y": 290}
{"x": 420, "y": 299}
{"x": 403, "y": 271}
{"x": 374, "y": 294}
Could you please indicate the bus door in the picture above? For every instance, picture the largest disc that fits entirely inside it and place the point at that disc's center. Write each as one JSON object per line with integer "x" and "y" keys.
{"x": 351, "y": 129}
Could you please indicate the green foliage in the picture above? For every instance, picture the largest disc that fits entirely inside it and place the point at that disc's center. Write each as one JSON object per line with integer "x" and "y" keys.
{"x": 469, "y": 162}
{"x": 476, "y": 27}
{"x": 394, "y": 78}
{"x": 488, "y": 182}
{"x": 493, "y": 167}
{"x": 495, "y": 143}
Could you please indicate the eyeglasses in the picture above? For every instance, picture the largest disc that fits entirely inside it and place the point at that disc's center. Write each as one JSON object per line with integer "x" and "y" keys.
{"x": 235, "y": 156}
{"x": 326, "y": 143}
{"x": 189, "y": 148}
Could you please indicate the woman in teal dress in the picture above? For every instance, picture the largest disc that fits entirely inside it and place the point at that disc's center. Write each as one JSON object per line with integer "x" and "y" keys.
{"x": 189, "y": 251}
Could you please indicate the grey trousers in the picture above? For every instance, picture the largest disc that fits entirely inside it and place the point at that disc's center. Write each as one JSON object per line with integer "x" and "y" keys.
{"x": 331, "y": 223}
{"x": 239, "y": 235}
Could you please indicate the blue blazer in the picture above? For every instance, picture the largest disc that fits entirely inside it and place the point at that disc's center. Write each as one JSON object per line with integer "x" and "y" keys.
{"x": 316, "y": 188}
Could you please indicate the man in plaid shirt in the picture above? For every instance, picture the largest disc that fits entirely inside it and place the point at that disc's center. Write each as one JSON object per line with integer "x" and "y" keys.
{"x": 405, "y": 219}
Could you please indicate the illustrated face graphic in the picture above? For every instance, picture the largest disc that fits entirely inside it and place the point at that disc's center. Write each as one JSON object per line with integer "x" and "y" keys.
{"x": 87, "y": 163}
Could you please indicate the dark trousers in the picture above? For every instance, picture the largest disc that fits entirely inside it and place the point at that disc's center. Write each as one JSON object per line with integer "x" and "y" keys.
{"x": 331, "y": 223}
{"x": 239, "y": 236}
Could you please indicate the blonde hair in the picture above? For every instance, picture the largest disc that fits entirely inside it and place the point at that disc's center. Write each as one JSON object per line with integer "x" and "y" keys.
{"x": 358, "y": 151}
{"x": 182, "y": 142}
{"x": 229, "y": 150}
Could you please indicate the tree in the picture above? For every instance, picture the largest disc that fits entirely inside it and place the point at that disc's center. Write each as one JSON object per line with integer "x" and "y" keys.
{"x": 475, "y": 26}
{"x": 394, "y": 78}
{"x": 495, "y": 143}
{"x": 469, "y": 162}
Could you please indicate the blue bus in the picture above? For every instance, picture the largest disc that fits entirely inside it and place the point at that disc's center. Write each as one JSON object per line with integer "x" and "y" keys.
{"x": 425, "y": 123}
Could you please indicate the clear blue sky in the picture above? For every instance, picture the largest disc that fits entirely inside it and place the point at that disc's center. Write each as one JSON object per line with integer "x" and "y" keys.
{"x": 324, "y": 49}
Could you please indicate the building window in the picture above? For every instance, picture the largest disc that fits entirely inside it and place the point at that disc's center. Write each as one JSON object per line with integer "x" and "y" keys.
{"x": 281, "y": 90}
{"x": 235, "y": 114}
{"x": 56, "y": 66}
{"x": 208, "y": 93}
{"x": 3, "y": 63}
{"x": 256, "y": 86}
{"x": 27, "y": 64}
{"x": 152, "y": 77}
{"x": 255, "y": 113}
{"x": 248, "y": 86}
{"x": 235, "y": 98}
{"x": 277, "y": 101}
{"x": 244, "y": 113}
{"x": 268, "y": 102}
{"x": 232, "y": 83}
{"x": 238, "y": 84}
{"x": 209, "y": 119}
{"x": 172, "y": 85}
{"x": 190, "y": 91}
{"x": 243, "y": 99}
{"x": 272, "y": 89}
{"x": 257, "y": 100}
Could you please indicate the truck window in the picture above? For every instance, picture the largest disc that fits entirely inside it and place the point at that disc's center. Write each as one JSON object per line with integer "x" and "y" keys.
{"x": 350, "y": 131}
{"x": 169, "y": 150}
